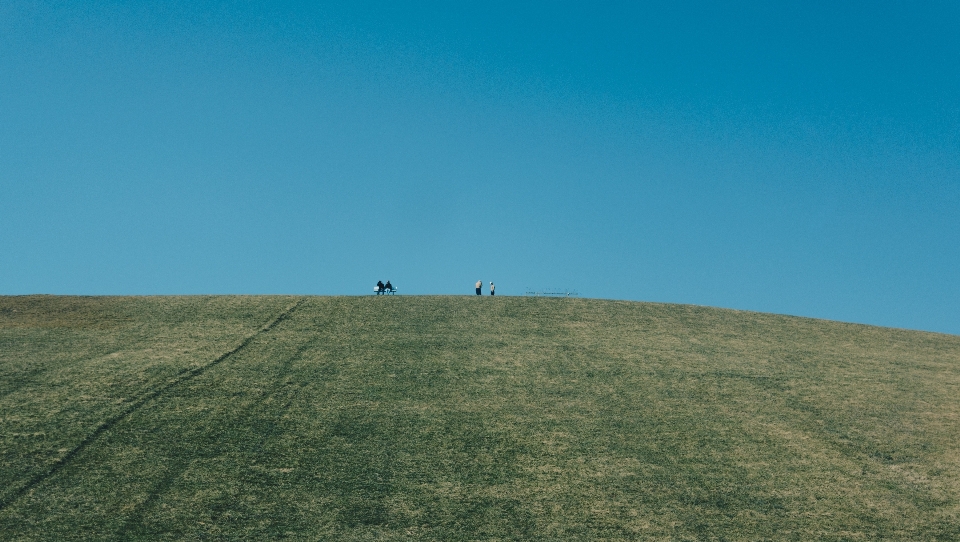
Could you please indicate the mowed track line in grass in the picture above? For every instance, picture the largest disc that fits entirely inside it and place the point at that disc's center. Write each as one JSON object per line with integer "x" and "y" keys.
{"x": 67, "y": 364}
{"x": 495, "y": 418}
{"x": 129, "y": 406}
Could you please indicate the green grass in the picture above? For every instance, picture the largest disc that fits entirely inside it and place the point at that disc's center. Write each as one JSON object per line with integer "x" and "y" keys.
{"x": 465, "y": 418}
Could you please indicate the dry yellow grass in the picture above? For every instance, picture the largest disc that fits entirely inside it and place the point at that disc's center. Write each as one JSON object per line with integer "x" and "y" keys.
{"x": 464, "y": 418}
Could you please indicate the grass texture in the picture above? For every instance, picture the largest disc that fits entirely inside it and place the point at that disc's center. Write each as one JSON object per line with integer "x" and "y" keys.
{"x": 468, "y": 418}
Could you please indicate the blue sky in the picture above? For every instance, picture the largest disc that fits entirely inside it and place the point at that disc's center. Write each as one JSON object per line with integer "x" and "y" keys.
{"x": 790, "y": 157}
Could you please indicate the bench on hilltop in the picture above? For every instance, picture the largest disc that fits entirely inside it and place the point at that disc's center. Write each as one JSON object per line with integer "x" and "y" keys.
{"x": 385, "y": 291}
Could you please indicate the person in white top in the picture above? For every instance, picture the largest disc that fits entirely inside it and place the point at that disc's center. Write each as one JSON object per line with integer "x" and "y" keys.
{"x": 492, "y": 289}
{"x": 479, "y": 286}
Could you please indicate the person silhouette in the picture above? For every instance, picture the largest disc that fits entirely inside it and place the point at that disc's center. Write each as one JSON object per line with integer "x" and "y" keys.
{"x": 492, "y": 289}
{"x": 479, "y": 286}
{"x": 379, "y": 287}
{"x": 389, "y": 287}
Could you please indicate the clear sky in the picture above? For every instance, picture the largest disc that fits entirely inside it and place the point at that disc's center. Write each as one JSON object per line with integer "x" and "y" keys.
{"x": 790, "y": 157}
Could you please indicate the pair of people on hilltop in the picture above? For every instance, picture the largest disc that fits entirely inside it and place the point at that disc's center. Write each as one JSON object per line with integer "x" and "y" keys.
{"x": 381, "y": 287}
{"x": 480, "y": 286}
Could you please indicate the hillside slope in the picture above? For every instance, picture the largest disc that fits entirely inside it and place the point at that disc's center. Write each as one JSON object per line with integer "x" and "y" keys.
{"x": 449, "y": 418}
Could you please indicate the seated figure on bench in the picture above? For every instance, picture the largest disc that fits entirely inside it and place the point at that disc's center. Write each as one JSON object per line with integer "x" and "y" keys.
{"x": 379, "y": 287}
{"x": 389, "y": 287}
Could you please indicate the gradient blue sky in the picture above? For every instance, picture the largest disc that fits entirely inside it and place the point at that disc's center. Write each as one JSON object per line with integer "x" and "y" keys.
{"x": 789, "y": 157}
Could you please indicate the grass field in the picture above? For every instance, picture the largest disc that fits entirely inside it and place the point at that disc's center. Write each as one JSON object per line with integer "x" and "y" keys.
{"x": 466, "y": 418}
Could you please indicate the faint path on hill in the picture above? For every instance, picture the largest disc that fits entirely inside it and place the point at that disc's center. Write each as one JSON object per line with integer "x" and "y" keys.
{"x": 281, "y": 387}
{"x": 184, "y": 376}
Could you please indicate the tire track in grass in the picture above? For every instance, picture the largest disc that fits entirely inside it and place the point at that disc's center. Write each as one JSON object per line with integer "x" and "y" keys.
{"x": 134, "y": 524}
{"x": 183, "y": 376}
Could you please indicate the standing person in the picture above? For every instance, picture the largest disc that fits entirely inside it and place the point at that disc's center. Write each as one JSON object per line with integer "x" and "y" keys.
{"x": 479, "y": 286}
{"x": 492, "y": 287}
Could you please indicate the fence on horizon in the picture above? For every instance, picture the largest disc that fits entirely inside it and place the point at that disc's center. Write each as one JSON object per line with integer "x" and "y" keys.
{"x": 556, "y": 292}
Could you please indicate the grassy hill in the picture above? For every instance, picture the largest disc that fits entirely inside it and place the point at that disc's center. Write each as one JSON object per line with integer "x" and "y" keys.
{"x": 465, "y": 418}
